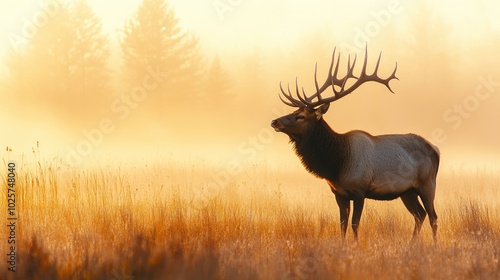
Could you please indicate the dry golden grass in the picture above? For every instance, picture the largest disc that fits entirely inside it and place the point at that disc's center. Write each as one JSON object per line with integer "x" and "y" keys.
{"x": 162, "y": 220}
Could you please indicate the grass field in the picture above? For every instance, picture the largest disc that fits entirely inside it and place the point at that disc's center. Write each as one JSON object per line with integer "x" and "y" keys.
{"x": 167, "y": 220}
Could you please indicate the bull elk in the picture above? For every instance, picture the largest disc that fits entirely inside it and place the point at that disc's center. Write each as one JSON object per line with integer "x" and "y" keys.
{"x": 357, "y": 165}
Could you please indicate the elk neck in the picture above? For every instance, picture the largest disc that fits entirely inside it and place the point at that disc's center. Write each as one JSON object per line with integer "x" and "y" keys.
{"x": 323, "y": 152}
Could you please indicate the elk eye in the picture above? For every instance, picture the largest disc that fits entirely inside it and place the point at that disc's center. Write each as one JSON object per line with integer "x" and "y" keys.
{"x": 300, "y": 117}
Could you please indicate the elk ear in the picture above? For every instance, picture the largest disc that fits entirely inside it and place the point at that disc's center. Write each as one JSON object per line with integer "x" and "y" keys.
{"x": 321, "y": 110}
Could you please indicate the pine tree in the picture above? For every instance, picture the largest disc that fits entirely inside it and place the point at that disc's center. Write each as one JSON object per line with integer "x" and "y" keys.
{"x": 153, "y": 40}
{"x": 62, "y": 72}
{"x": 429, "y": 46}
{"x": 217, "y": 85}
{"x": 89, "y": 55}
{"x": 37, "y": 72}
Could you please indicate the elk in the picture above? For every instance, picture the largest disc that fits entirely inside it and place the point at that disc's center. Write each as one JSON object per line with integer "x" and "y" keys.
{"x": 357, "y": 165}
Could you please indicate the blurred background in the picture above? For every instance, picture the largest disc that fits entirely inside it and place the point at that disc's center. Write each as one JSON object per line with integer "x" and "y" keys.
{"x": 199, "y": 80}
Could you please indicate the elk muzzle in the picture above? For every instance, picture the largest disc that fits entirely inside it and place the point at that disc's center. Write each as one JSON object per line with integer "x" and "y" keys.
{"x": 277, "y": 125}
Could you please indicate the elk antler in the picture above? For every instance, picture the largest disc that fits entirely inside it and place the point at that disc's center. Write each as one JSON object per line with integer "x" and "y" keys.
{"x": 337, "y": 84}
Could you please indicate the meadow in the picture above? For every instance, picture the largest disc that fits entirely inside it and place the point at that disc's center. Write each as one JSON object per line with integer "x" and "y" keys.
{"x": 164, "y": 219}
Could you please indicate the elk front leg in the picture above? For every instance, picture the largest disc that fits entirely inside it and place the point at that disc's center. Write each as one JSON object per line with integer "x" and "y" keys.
{"x": 344, "y": 207}
{"x": 356, "y": 215}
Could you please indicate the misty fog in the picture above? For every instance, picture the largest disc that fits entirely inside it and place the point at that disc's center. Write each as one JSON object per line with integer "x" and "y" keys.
{"x": 83, "y": 83}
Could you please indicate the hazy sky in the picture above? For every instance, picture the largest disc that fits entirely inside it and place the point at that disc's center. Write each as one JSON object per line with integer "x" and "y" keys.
{"x": 228, "y": 24}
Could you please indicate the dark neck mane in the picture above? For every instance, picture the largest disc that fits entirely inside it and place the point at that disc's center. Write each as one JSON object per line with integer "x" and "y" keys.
{"x": 323, "y": 152}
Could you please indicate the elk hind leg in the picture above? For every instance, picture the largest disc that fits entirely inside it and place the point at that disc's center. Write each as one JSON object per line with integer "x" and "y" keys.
{"x": 428, "y": 201}
{"x": 410, "y": 200}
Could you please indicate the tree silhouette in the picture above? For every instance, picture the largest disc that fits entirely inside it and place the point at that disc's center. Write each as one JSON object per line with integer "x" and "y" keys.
{"x": 153, "y": 40}
{"x": 428, "y": 47}
{"x": 481, "y": 55}
{"x": 427, "y": 65}
{"x": 37, "y": 71}
{"x": 89, "y": 54}
{"x": 217, "y": 85}
{"x": 62, "y": 71}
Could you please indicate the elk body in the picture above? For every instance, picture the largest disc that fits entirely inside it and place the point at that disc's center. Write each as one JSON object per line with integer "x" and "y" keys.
{"x": 357, "y": 165}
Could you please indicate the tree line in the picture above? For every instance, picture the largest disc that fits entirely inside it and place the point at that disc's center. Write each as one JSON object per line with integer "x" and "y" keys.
{"x": 64, "y": 70}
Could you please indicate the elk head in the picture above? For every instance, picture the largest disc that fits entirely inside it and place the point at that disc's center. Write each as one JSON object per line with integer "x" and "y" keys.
{"x": 298, "y": 122}
{"x": 311, "y": 108}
